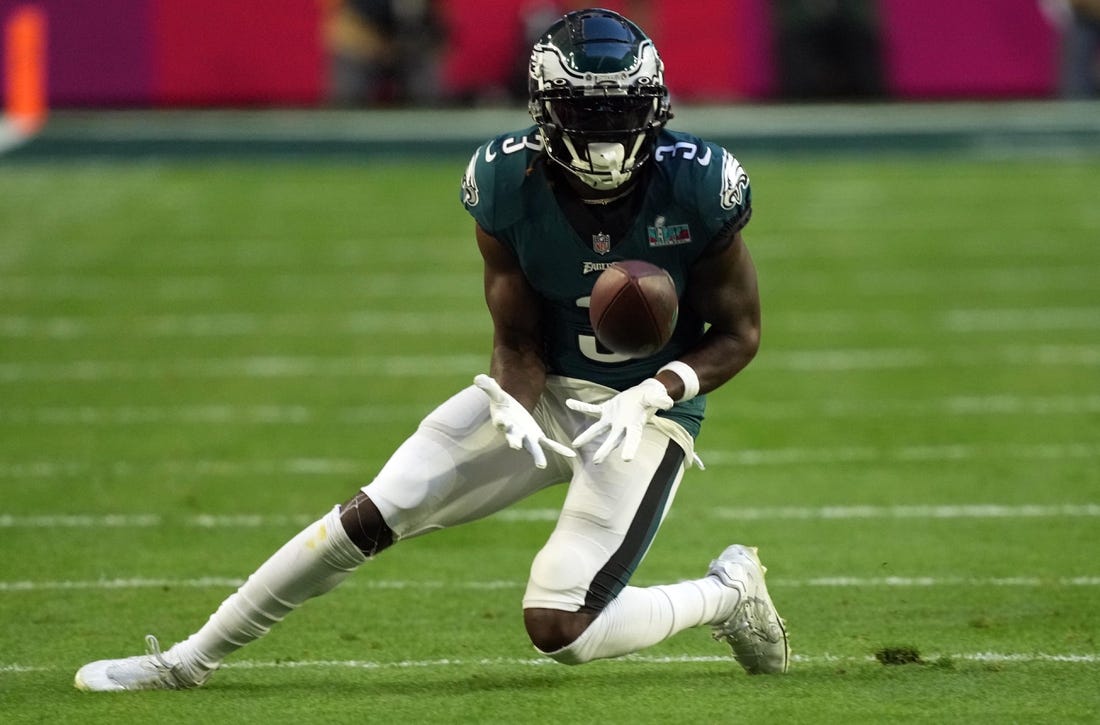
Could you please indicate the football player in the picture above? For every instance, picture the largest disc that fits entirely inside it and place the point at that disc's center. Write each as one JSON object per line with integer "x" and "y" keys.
{"x": 597, "y": 178}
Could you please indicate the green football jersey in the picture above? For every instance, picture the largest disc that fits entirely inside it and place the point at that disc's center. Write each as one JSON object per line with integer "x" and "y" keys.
{"x": 693, "y": 191}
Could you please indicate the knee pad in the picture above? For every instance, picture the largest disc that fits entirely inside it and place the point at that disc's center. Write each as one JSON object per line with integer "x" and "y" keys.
{"x": 364, "y": 525}
{"x": 560, "y": 576}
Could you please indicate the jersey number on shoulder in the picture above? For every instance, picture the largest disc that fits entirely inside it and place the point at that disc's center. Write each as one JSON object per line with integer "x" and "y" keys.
{"x": 685, "y": 149}
{"x": 512, "y": 145}
{"x": 471, "y": 195}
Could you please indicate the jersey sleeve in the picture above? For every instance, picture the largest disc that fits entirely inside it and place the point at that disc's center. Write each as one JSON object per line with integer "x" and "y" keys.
{"x": 492, "y": 187}
{"x": 725, "y": 195}
{"x": 477, "y": 186}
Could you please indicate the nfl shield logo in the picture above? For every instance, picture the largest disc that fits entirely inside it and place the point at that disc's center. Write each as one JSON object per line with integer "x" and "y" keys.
{"x": 601, "y": 243}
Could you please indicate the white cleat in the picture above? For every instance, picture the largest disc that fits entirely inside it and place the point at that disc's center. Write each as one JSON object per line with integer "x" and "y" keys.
{"x": 152, "y": 671}
{"x": 754, "y": 630}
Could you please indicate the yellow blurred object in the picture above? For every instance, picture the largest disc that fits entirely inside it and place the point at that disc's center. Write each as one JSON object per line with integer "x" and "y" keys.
{"x": 348, "y": 34}
{"x": 1089, "y": 8}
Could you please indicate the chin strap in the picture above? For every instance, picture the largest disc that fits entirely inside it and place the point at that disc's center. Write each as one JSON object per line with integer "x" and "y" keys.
{"x": 606, "y": 166}
{"x": 608, "y": 158}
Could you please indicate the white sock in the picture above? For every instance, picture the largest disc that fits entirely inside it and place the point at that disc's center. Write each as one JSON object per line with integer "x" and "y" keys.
{"x": 641, "y": 617}
{"x": 312, "y": 563}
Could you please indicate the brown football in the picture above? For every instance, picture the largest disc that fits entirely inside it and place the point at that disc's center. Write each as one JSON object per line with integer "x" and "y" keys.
{"x": 633, "y": 308}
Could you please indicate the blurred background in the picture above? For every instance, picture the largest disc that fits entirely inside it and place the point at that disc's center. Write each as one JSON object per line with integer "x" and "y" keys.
{"x": 369, "y": 53}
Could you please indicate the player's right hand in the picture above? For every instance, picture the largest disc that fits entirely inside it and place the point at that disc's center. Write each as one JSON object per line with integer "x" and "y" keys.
{"x": 622, "y": 418}
{"x": 519, "y": 427}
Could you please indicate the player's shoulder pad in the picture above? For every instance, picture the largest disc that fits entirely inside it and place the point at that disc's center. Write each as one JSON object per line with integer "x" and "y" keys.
{"x": 494, "y": 175}
{"x": 703, "y": 173}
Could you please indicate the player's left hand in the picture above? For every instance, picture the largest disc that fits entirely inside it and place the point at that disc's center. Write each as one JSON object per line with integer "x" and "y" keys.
{"x": 622, "y": 418}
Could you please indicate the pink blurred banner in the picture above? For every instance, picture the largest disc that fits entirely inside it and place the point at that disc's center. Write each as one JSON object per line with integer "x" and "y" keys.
{"x": 951, "y": 49}
{"x": 170, "y": 53}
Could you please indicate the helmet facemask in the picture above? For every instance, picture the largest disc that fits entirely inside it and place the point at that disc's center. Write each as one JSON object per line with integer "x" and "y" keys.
{"x": 598, "y": 125}
{"x": 601, "y": 137}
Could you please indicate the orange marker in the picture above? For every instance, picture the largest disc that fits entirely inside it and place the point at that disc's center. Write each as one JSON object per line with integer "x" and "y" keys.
{"x": 25, "y": 68}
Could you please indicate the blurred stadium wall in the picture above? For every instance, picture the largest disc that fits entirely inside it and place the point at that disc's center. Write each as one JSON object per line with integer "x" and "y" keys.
{"x": 212, "y": 53}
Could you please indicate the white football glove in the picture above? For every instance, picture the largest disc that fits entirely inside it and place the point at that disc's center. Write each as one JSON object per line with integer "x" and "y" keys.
{"x": 519, "y": 427}
{"x": 623, "y": 418}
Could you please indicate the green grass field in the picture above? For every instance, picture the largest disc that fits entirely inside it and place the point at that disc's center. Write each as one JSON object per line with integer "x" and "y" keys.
{"x": 196, "y": 360}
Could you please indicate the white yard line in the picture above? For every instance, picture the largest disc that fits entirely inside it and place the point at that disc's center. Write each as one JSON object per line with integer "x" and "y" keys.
{"x": 236, "y": 324}
{"x": 914, "y": 454}
{"x": 901, "y": 454}
{"x": 780, "y": 513}
{"x": 798, "y": 659}
{"x": 207, "y": 286}
{"x": 522, "y": 515}
{"x": 223, "y": 414}
{"x": 835, "y": 582}
{"x": 273, "y": 366}
{"x": 1023, "y": 320}
{"x": 425, "y": 366}
{"x": 203, "y": 276}
{"x": 231, "y": 324}
{"x": 223, "y": 468}
{"x": 971, "y": 511}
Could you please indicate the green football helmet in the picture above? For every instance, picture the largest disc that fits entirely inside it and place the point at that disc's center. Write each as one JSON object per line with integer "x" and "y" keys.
{"x": 598, "y": 96}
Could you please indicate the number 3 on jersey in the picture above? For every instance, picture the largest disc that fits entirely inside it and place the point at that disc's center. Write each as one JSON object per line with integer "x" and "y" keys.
{"x": 591, "y": 348}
